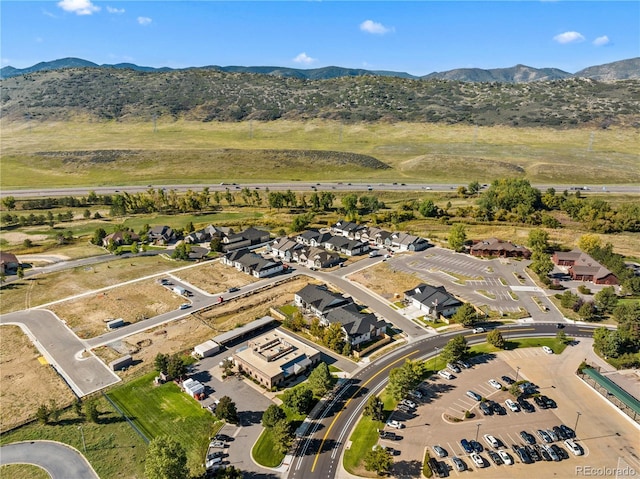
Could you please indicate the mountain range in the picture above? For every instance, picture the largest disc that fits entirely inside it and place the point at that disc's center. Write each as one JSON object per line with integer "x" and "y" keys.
{"x": 620, "y": 70}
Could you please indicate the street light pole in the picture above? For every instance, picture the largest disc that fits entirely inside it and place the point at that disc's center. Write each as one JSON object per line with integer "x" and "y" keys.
{"x": 517, "y": 372}
{"x": 477, "y": 431}
{"x": 84, "y": 446}
{"x": 576, "y": 426}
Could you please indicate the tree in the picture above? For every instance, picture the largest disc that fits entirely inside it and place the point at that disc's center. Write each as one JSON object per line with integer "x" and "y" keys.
{"x": 228, "y": 472}
{"x": 161, "y": 362}
{"x": 333, "y": 337}
{"x": 43, "y": 414}
{"x": 27, "y": 243}
{"x": 466, "y": 315}
{"x": 166, "y": 459}
{"x": 374, "y": 408}
{"x": 20, "y": 272}
{"x": 457, "y": 237}
{"x": 541, "y": 263}
{"x": 589, "y": 242}
{"x": 77, "y": 407}
{"x": 226, "y": 410}
{"x": 320, "y": 379}
{"x": 404, "y": 379}
{"x": 494, "y": 337}
{"x": 216, "y": 244}
{"x": 181, "y": 251}
{"x": 298, "y": 399}
{"x": 378, "y": 460}
{"x": 9, "y": 202}
{"x": 98, "y": 236}
{"x": 606, "y": 299}
{"x": 562, "y": 337}
{"x": 91, "y": 411}
{"x": 350, "y": 203}
{"x": 282, "y": 436}
{"x": 176, "y": 367}
{"x": 586, "y": 311}
{"x": 315, "y": 328}
{"x": 54, "y": 411}
{"x": 538, "y": 240}
{"x": 428, "y": 209}
{"x": 272, "y": 415}
{"x": 301, "y": 222}
{"x": 454, "y": 350}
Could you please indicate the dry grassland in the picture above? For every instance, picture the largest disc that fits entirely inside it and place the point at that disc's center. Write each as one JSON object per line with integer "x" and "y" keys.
{"x": 87, "y": 316}
{"x": 184, "y": 334}
{"x": 214, "y": 277}
{"x": 385, "y": 280}
{"x": 26, "y": 383}
{"x": 37, "y": 290}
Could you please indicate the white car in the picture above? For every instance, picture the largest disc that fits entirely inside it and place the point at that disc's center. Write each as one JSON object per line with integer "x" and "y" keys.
{"x": 440, "y": 451}
{"x": 408, "y": 403}
{"x": 491, "y": 441}
{"x": 573, "y": 447}
{"x": 547, "y": 349}
{"x": 445, "y": 374}
{"x": 395, "y": 424}
{"x": 495, "y": 384}
{"x": 512, "y": 405}
{"x": 506, "y": 458}
{"x": 478, "y": 330}
{"x": 477, "y": 459}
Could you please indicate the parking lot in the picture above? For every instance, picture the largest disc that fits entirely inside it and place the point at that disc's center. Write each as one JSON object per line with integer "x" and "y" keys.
{"x": 606, "y": 437}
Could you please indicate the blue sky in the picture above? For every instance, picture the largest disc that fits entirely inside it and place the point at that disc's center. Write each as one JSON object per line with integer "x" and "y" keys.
{"x": 417, "y": 37}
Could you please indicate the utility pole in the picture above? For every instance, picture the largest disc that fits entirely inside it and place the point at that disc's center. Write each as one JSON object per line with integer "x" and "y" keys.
{"x": 576, "y": 425}
{"x": 84, "y": 445}
{"x": 477, "y": 430}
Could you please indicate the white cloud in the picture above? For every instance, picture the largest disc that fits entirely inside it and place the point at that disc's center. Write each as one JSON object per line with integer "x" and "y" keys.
{"x": 144, "y": 21}
{"x": 569, "y": 37}
{"x": 600, "y": 41}
{"x": 304, "y": 59}
{"x": 376, "y": 28}
{"x": 79, "y": 7}
{"x": 117, "y": 11}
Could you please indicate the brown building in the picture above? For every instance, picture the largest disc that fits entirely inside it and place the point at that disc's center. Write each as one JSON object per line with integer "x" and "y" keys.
{"x": 499, "y": 248}
{"x": 582, "y": 267}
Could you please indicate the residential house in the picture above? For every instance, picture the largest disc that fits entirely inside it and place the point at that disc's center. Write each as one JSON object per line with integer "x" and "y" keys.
{"x": 284, "y": 248}
{"x": 314, "y": 257}
{"x": 318, "y": 300}
{"x": 198, "y": 253}
{"x": 252, "y": 263}
{"x": 344, "y": 245}
{"x": 119, "y": 238}
{"x": 249, "y": 237}
{"x": 313, "y": 237}
{"x": 357, "y": 327}
{"x": 9, "y": 263}
{"x": 582, "y": 267}
{"x": 499, "y": 248}
{"x": 374, "y": 236}
{"x": 434, "y": 301}
{"x": 161, "y": 235}
{"x": 347, "y": 229}
{"x": 406, "y": 242}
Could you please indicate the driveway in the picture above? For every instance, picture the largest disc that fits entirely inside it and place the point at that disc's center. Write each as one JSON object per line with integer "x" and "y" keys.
{"x": 59, "y": 460}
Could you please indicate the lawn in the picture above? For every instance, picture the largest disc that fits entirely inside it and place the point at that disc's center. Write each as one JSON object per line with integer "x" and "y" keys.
{"x": 165, "y": 409}
{"x": 113, "y": 449}
{"x": 484, "y": 348}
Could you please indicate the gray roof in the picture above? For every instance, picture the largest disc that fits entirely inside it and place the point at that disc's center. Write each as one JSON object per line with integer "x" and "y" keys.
{"x": 433, "y": 296}
{"x": 321, "y": 298}
{"x": 247, "y": 328}
{"x": 352, "y": 320}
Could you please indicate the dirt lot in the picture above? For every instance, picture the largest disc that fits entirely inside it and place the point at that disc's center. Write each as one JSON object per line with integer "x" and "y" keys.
{"x": 379, "y": 279}
{"x": 183, "y": 334}
{"x": 214, "y": 277}
{"x": 87, "y": 316}
{"x": 26, "y": 383}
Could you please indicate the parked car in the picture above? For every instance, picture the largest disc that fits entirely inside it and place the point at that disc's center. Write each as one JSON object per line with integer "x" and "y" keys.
{"x": 506, "y": 457}
{"x": 512, "y": 405}
{"x": 495, "y": 384}
{"x": 486, "y": 409}
{"x": 559, "y": 433}
{"x": 552, "y": 435}
{"x": 474, "y": 395}
{"x": 217, "y": 445}
{"x": 551, "y": 404}
{"x": 416, "y": 394}
{"x": 453, "y": 368}
{"x": 466, "y": 446}
{"x": 409, "y": 403}
{"x": 533, "y": 453}
{"x": 527, "y": 438}
{"x": 223, "y": 438}
{"x": 507, "y": 380}
{"x": 552, "y": 454}
{"x": 464, "y": 364}
{"x": 544, "y": 435}
{"x": 476, "y": 446}
{"x": 570, "y": 433}
{"x": 523, "y": 455}
{"x": 478, "y": 330}
{"x": 395, "y": 424}
{"x": 477, "y": 460}
{"x": 495, "y": 457}
{"x": 526, "y": 405}
{"x": 458, "y": 464}
{"x": 543, "y": 452}
{"x": 574, "y": 447}
{"x": 491, "y": 441}
{"x": 185, "y": 306}
{"x": 562, "y": 454}
{"x": 440, "y": 451}
{"x": 445, "y": 374}
{"x": 497, "y": 408}
{"x": 541, "y": 403}
{"x": 392, "y": 436}
{"x": 547, "y": 349}
{"x": 233, "y": 289}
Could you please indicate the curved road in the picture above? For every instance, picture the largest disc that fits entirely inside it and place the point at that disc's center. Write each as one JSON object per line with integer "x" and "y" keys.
{"x": 318, "y": 455}
{"x": 59, "y": 460}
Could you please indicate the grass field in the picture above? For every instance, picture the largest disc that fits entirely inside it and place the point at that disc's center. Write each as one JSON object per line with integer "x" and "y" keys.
{"x": 107, "y": 440}
{"x": 23, "y": 471}
{"x": 415, "y": 152}
{"x": 557, "y": 346}
{"x": 166, "y": 410}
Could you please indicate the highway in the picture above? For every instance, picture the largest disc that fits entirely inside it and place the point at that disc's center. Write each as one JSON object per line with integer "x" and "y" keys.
{"x": 297, "y": 186}
{"x": 319, "y": 453}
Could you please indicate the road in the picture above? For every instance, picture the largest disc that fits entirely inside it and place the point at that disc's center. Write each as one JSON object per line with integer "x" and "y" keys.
{"x": 319, "y": 454}
{"x": 59, "y": 460}
{"x": 293, "y": 186}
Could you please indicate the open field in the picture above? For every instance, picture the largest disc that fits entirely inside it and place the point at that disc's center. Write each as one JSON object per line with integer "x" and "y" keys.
{"x": 26, "y": 382}
{"x": 415, "y": 152}
{"x": 23, "y": 471}
{"x": 385, "y": 281}
{"x": 167, "y": 410}
{"x": 37, "y": 290}
{"x": 214, "y": 277}
{"x": 183, "y": 334}
{"x": 87, "y": 316}
{"x": 114, "y": 450}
